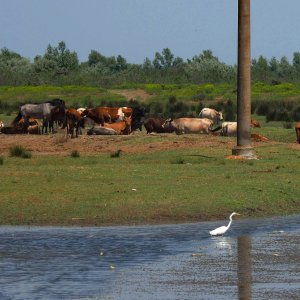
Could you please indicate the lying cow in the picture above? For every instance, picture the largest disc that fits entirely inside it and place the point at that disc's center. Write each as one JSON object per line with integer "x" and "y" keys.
{"x": 100, "y": 130}
{"x": 34, "y": 129}
{"x": 121, "y": 127}
{"x": 188, "y": 125}
{"x": 229, "y": 129}
{"x": 11, "y": 130}
{"x": 254, "y": 123}
{"x": 212, "y": 114}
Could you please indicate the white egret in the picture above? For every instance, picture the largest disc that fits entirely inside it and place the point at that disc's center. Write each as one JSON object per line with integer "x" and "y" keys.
{"x": 221, "y": 230}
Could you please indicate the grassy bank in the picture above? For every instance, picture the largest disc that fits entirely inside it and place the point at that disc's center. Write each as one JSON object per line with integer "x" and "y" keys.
{"x": 181, "y": 185}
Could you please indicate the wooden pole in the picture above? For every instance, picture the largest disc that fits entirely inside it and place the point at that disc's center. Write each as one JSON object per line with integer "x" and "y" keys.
{"x": 243, "y": 147}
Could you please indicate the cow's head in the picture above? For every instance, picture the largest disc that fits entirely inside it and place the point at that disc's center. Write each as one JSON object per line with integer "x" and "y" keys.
{"x": 167, "y": 124}
{"x": 220, "y": 116}
{"x": 85, "y": 113}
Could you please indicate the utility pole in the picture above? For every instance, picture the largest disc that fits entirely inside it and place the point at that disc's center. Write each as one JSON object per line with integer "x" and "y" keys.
{"x": 243, "y": 147}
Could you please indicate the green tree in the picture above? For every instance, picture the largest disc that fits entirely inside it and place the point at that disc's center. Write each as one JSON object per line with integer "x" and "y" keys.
{"x": 166, "y": 60}
{"x": 57, "y": 60}
{"x": 205, "y": 67}
{"x": 285, "y": 70}
{"x": 296, "y": 64}
{"x": 260, "y": 69}
{"x": 15, "y": 69}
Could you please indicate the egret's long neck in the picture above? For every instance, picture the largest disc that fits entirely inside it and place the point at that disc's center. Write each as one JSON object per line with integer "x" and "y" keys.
{"x": 230, "y": 218}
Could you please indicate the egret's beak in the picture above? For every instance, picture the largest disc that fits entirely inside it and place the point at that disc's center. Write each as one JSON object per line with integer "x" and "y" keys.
{"x": 238, "y": 214}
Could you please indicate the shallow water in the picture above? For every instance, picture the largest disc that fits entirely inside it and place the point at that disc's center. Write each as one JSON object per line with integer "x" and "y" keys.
{"x": 258, "y": 259}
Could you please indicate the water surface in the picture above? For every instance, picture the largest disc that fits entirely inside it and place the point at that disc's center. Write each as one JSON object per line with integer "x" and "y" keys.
{"x": 260, "y": 258}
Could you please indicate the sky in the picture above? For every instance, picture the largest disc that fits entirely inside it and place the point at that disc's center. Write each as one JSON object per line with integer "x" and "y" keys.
{"x": 136, "y": 29}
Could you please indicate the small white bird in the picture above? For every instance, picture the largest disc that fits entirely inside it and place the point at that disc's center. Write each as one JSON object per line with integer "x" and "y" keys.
{"x": 221, "y": 230}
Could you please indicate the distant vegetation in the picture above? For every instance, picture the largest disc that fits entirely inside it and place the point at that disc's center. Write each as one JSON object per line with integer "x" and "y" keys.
{"x": 60, "y": 66}
{"x": 177, "y": 87}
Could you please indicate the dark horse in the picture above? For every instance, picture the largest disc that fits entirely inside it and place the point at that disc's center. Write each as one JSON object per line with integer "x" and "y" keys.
{"x": 43, "y": 111}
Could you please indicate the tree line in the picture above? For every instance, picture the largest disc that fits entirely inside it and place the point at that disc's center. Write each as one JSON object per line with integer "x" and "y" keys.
{"x": 61, "y": 66}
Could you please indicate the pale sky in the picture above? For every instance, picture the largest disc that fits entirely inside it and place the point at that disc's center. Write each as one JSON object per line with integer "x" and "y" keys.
{"x": 136, "y": 29}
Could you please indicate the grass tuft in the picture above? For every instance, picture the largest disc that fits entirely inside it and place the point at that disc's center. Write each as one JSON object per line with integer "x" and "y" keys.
{"x": 178, "y": 161}
{"x": 19, "y": 151}
{"x": 75, "y": 153}
{"x": 116, "y": 154}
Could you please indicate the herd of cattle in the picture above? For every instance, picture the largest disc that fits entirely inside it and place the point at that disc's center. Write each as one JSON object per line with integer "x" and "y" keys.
{"x": 40, "y": 118}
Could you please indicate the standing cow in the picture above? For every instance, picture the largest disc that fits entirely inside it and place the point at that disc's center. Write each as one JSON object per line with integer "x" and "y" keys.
{"x": 212, "y": 114}
{"x": 107, "y": 114}
{"x": 188, "y": 125}
{"x": 74, "y": 121}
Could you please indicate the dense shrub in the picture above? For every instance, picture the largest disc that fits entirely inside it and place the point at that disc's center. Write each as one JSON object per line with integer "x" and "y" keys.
{"x": 296, "y": 114}
{"x": 262, "y": 108}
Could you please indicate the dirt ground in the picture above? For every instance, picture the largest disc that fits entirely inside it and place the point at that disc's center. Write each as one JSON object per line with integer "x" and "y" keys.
{"x": 136, "y": 94}
{"x": 59, "y": 144}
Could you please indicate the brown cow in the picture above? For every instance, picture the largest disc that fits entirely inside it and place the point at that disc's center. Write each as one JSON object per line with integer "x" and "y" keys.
{"x": 121, "y": 127}
{"x": 107, "y": 114}
{"x": 31, "y": 122}
{"x": 155, "y": 125}
{"x": 74, "y": 120}
{"x": 297, "y": 128}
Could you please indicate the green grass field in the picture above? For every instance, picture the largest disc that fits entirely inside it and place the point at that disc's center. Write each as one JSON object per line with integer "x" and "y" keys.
{"x": 180, "y": 185}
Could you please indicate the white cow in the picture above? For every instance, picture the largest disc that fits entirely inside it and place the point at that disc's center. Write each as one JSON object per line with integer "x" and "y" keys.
{"x": 211, "y": 114}
{"x": 229, "y": 129}
{"x": 188, "y": 125}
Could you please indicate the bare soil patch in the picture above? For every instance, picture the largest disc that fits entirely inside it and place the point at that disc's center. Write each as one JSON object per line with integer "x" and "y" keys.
{"x": 137, "y": 94}
{"x": 139, "y": 142}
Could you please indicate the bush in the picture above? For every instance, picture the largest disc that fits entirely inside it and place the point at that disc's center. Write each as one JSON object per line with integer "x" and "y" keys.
{"x": 1, "y": 160}
{"x": 75, "y": 153}
{"x": 19, "y": 151}
{"x": 296, "y": 114}
{"x": 288, "y": 125}
{"x": 116, "y": 154}
{"x": 178, "y": 160}
{"x": 26, "y": 154}
{"x": 278, "y": 114}
{"x": 262, "y": 109}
